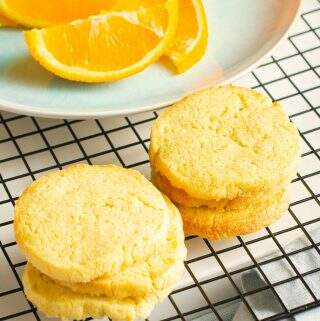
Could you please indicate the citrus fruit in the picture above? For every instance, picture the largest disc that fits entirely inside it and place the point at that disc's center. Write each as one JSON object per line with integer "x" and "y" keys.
{"x": 192, "y": 35}
{"x": 106, "y": 47}
{"x": 40, "y": 13}
{"x": 191, "y": 39}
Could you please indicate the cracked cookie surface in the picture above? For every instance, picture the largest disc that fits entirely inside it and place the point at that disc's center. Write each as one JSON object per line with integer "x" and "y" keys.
{"x": 223, "y": 143}
{"x": 83, "y": 222}
{"x": 153, "y": 275}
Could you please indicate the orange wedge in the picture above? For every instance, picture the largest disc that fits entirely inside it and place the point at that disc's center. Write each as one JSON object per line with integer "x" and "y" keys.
{"x": 5, "y": 22}
{"x": 42, "y": 13}
{"x": 106, "y": 47}
{"x": 192, "y": 35}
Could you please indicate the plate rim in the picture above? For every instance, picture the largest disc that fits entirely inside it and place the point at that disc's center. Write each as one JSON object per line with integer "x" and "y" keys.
{"x": 32, "y": 111}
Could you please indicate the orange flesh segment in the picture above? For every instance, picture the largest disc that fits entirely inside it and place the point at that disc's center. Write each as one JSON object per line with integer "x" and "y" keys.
{"x": 187, "y": 31}
{"x": 101, "y": 43}
{"x": 42, "y": 13}
{"x": 192, "y": 35}
{"x": 191, "y": 38}
{"x": 151, "y": 13}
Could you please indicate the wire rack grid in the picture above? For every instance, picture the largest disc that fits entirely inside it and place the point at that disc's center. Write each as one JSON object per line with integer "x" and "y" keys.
{"x": 31, "y": 147}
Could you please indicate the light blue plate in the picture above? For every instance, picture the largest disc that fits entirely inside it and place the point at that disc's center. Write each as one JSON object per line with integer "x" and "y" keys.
{"x": 242, "y": 32}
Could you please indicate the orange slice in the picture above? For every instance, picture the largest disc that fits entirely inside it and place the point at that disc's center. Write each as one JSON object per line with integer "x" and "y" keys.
{"x": 5, "y": 22}
{"x": 42, "y": 13}
{"x": 103, "y": 48}
{"x": 191, "y": 40}
{"x": 192, "y": 35}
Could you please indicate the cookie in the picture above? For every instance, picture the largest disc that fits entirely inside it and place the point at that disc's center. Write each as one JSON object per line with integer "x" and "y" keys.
{"x": 153, "y": 275}
{"x": 83, "y": 222}
{"x": 181, "y": 198}
{"x": 221, "y": 224}
{"x": 56, "y": 301}
{"x": 224, "y": 143}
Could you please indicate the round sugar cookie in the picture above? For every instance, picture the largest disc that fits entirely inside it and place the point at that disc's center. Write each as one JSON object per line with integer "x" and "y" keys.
{"x": 153, "y": 275}
{"x": 180, "y": 197}
{"x": 56, "y": 301}
{"x": 83, "y": 222}
{"x": 223, "y": 143}
{"x": 221, "y": 224}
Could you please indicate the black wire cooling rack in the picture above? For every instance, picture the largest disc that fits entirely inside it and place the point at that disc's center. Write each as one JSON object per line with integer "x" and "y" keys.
{"x": 31, "y": 147}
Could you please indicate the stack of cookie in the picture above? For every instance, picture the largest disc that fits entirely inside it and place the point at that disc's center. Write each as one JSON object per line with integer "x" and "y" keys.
{"x": 225, "y": 156}
{"x": 100, "y": 241}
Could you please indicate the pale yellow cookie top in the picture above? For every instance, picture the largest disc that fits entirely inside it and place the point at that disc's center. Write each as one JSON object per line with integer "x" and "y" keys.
{"x": 57, "y": 301}
{"x": 154, "y": 274}
{"x": 87, "y": 221}
{"x": 224, "y": 142}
